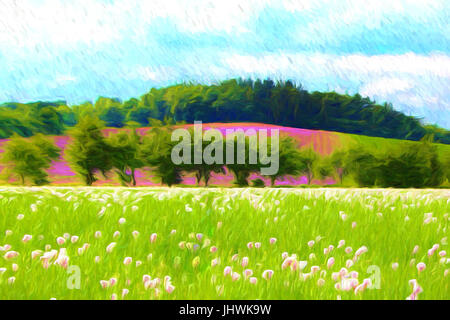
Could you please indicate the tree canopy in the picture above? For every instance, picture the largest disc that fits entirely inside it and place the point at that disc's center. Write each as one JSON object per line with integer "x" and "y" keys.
{"x": 28, "y": 159}
{"x": 281, "y": 103}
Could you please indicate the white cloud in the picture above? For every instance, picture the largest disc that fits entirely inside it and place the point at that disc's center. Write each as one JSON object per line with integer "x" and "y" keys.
{"x": 298, "y": 5}
{"x": 371, "y": 13}
{"x": 63, "y": 78}
{"x": 384, "y": 86}
{"x": 437, "y": 65}
{"x": 201, "y": 16}
{"x": 29, "y": 23}
{"x": 60, "y": 80}
{"x": 351, "y": 10}
{"x": 44, "y": 25}
{"x": 415, "y": 84}
{"x": 148, "y": 73}
{"x": 409, "y": 63}
{"x": 334, "y": 19}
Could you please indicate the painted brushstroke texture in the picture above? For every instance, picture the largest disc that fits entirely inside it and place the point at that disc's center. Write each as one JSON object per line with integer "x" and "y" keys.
{"x": 323, "y": 142}
{"x": 396, "y": 51}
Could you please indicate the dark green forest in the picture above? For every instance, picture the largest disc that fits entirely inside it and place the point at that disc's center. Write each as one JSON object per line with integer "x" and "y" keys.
{"x": 281, "y": 103}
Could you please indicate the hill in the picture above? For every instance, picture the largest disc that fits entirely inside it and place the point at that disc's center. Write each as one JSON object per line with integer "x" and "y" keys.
{"x": 233, "y": 101}
{"x": 324, "y": 142}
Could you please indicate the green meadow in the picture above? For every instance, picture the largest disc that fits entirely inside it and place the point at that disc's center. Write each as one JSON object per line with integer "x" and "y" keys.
{"x": 219, "y": 243}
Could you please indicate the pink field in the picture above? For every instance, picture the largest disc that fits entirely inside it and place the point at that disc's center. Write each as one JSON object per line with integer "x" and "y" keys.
{"x": 323, "y": 142}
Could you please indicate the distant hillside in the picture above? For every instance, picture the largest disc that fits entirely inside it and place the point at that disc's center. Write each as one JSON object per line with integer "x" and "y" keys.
{"x": 324, "y": 142}
{"x": 277, "y": 103}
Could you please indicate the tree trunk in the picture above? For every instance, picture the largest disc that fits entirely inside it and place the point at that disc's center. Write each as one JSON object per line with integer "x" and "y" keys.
{"x": 89, "y": 179}
{"x": 309, "y": 177}
{"x": 340, "y": 173}
{"x": 198, "y": 176}
{"x": 133, "y": 178}
{"x": 236, "y": 175}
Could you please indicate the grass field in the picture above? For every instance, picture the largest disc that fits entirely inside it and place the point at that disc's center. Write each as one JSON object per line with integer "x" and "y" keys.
{"x": 182, "y": 243}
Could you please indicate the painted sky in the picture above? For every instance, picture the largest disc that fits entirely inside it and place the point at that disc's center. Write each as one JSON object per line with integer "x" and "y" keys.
{"x": 389, "y": 50}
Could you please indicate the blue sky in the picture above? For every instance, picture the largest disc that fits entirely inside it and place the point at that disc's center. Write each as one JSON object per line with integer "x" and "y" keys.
{"x": 394, "y": 50}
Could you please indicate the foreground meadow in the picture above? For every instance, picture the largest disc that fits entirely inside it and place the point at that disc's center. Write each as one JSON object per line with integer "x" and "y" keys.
{"x": 160, "y": 243}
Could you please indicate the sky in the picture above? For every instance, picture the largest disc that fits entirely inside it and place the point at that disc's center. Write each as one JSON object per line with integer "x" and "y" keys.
{"x": 390, "y": 50}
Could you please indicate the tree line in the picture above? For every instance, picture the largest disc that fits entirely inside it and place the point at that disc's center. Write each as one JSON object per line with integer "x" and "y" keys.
{"x": 281, "y": 103}
{"x": 92, "y": 154}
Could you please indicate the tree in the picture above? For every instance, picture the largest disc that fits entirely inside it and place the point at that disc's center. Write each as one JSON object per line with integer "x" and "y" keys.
{"x": 308, "y": 159}
{"x": 67, "y": 115}
{"x": 125, "y": 155}
{"x": 29, "y": 158}
{"x": 156, "y": 153}
{"x": 258, "y": 183}
{"x": 364, "y": 165}
{"x": 47, "y": 148}
{"x": 415, "y": 166}
{"x": 400, "y": 166}
{"x": 50, "y": 120}
{"x": 290, "y": 161}
{"x": 241, "y": 171}
{"x": 110, "y": 111}
{"x": 203, "y": 170}
{"x": 338, "y": 161}
{"x": 236, "y": 100}
{"x": 113, "y": 117}
{"x": 88, "y": 150}
{"x": 447, "y": 166}
{"x": 169, "y": 174}
{"x": 323, "y": 167}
